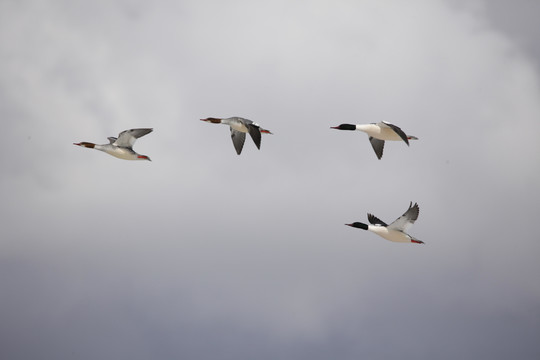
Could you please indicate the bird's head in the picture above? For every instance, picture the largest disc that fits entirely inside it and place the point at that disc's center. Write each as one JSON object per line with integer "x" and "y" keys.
{"x": 212, "y": 120}
{"x": 85, "y": 144}
{"x": 358, "y": 225}
{"x": 344, "y": 127}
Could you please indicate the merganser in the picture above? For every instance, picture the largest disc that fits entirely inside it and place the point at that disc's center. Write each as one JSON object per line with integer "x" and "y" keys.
{"x": 378, "y": 133}
{"x": 239, "y": 127}
{"x": 121, "y": 147}
{"x": 396, "y": 230}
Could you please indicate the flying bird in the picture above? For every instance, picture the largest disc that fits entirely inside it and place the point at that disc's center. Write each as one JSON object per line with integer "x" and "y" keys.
{"x": 239, "y": 127}
{"x": 396, "y": 231}
{"x": 121, "y": 147}
{"x": 378, "y": 133}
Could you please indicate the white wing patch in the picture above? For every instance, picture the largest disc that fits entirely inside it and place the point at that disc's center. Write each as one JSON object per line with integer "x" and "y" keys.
{"x": 128, "y": 137}
{"x": 405, "y": 221}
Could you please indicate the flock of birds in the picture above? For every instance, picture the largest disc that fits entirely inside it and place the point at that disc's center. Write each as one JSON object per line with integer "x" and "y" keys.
{"x": 122, "y": 147}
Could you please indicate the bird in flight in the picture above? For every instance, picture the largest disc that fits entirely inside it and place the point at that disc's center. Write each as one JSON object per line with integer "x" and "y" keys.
{"x": 396, "y": 231}
{"x": 121, "y": 147}
{"x": 239, "y": 127}
{"x": 378, "y": 134}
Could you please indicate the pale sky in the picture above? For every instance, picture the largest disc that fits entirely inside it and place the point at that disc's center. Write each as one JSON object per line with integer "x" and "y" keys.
{"x": 204, "y": 254}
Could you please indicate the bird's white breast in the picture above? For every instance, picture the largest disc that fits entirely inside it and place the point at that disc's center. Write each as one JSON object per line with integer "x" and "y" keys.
{"x": 378, "y": 132}
{"x": 391, "y": 235}
{"x": 119, "y": 152}
{"x": 238, "y": 126}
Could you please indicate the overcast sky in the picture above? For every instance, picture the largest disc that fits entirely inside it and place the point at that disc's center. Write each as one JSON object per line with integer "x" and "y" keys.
{"x": 204, "y": 254}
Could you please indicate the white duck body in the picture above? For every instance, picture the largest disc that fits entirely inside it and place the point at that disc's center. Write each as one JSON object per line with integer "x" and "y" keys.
{"x": 379, "y": 131}
{"x": 388, "y": 234}
{"x": 119, "y": 152}
{"x": 238, "y": 124}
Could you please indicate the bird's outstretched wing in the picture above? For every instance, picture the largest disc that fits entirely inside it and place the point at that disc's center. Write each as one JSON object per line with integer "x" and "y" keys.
{"x": 375, "y": 220}
{"x": 255, "y": 133}
{"x": 405, "y": 221}
{"x": 238, "y": 139}
{"x": 378, "y": 146}
{"x": 127, "y": 138}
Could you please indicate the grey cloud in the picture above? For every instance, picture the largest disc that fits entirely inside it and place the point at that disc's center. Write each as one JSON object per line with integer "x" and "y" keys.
{"x": 206, "y": 254}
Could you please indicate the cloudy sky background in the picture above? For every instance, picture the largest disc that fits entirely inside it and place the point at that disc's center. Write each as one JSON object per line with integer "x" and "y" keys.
{"x": 203, "y": 254}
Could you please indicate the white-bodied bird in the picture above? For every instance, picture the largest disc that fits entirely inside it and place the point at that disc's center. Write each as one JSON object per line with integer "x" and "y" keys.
{"x": 378, "y": 134}
{"x": 121, "y": 147}
{"x": 396, "y": 231}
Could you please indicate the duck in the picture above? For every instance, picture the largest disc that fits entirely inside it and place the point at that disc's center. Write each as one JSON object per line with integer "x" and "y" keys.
{"x": 396, "y": 231}
{"x": 378, "y": 133}
{"x": 122, "y": 146}
{"x": 239, "y": 127}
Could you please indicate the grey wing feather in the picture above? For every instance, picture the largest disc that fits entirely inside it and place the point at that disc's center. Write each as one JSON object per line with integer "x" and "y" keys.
{"x": 127, "y": 138}
{"x": 398, "y": 131}
{"x": 375, "y": 220}
{"x": 112, "y": 139}
{"x": 255, "y": 133}
{"x": 238, "y": 139}
{"x": 378, "y": 146}
{"x": 405, "y": 221}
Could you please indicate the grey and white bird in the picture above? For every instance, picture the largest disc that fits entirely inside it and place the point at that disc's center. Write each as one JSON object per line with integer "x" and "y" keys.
{"x": 396, "y": 231}
{"x": 239, "y": 127}
{"x": 378, "y": 133}
{"x": 121, "y": 147}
